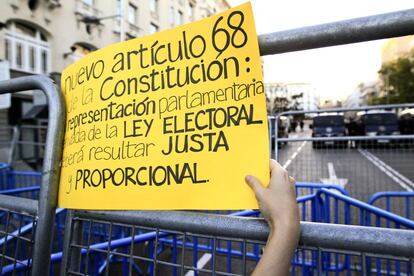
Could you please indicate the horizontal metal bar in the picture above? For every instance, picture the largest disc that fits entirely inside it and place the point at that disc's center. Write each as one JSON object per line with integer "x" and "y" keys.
{"x": 348, "y": 138}
{"x": 21, "y": 173}
{"x": 19, "y": 190}
{"x": 31, "y": 143}
{"x": 402, "y": 221}
{"x": 381, "y": 241}
{"x": 19, "y": 205}
{"x": 32, "y": 127}
{"x": 329, "y": 236}
{"x": 393, "y": 194}
{"x": 361, "y": 29}
{"x": 340, "y": 110}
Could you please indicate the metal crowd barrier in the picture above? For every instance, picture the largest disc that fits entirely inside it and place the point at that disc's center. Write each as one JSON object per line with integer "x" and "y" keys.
{"x": 8, "y": 141}
{"x": 327, "y": 203}
{"x": 18, "y": 180}
{"x": 394, "y": 201}
{"x": 16, "y": 211}
{"x": 365, "y": 164}
{"x": 189, "y": 243}
{"x": 31, "y": 143}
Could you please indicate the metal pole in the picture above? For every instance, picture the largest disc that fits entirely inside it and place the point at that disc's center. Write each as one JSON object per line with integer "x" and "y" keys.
{"x": 51, "y": 169}
{"x": 393, "y": 242}
{"x": 15, "y": 138}
{"x": 374, "y": 27}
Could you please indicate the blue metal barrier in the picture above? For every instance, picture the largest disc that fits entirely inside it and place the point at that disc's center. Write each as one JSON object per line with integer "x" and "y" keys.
{"x": 337, "y": 208}
{"x": 4, "y": 172}
{"x": 405, "y": 199}
{"x": 18, "y": 179}
{"x": 31, "y": 192}
{"x": 327, "y": 203}
{"x": 118, "y": 243}
{"x": 10, "y": 179}
{"x": 310, "y": 188}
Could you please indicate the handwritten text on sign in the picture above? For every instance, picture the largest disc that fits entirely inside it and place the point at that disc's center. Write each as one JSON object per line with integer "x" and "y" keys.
{"x": 173, "y": 120}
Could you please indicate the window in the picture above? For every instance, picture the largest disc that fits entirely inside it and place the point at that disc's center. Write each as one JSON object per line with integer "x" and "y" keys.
{"x": 132, "y": 14}
{"x": 26, "y": 49}
{"x": 118, "y": 7}
{"x": 88, "y": 2}
{"x": 7, "y": 49}
{"x": 19, "y": 55}
{"x": 153, "y": 28}
{"x": 154, "y": 6}
{"x": 172, "y": 21}
{"x": 118, "y": 12}
{"x": 32, "y": 58}
{"x": 44, "y": 61}
{"x": 191, "y": 12}
{"x": 180, "y": 19}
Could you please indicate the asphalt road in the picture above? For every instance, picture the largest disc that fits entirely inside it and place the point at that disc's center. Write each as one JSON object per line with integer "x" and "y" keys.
{"x": 362, "y": 172}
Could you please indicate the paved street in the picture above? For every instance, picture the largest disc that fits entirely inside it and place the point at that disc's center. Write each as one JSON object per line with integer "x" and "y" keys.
{"x": 362, "y": 172}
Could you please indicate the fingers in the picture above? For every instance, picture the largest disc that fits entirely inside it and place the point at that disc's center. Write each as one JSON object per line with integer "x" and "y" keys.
{"x": 273, "y": 164}
{"x": 276, "y": 168}
{"x": 255, "y": 185}
{"x": 278, "y": 176}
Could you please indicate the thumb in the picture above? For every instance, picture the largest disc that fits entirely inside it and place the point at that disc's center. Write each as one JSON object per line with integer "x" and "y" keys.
{"x": 255, "y": 185}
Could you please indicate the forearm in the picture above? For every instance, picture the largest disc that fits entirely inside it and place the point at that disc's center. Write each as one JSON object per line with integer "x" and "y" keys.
{"x": 279, "y": 250}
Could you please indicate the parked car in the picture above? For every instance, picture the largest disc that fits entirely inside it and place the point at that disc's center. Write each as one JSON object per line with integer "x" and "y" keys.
{"x": 282, "y": 132}
{"x": 377, "y": 123}
{"x": 328, "y": 125}
{"x": 406, "y": 125}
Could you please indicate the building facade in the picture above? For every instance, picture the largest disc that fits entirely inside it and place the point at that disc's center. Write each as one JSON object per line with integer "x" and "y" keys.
{"x": 363, "y": 93}
{"x": 291, "y": 96}
{"x": 45, "y": 36}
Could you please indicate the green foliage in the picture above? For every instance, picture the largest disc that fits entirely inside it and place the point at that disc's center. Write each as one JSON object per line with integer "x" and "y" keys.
{"x": 398, "y": 79}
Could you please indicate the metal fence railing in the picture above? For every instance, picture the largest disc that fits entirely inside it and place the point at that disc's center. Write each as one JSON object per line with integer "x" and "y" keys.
{"x": 364, "y": 162}
{"x": 17, "y": 211}
{"x": 400, "y": 203}
{"x": 193, "y": 243}
{"x": 30, "y": 146}
{"x": 8, "y": 139}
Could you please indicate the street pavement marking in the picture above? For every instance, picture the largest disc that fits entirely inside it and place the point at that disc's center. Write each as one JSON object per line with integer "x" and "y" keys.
{"x": 201, "y": 263}
{"x": 206, "y": 257}
{"x": 287, "y": 163}
{"x": 403, "y": 181}
{"x": 333, "y": 179}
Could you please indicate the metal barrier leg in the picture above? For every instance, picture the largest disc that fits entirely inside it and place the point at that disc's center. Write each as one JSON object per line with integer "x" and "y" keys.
{"x": 73, "y": 232}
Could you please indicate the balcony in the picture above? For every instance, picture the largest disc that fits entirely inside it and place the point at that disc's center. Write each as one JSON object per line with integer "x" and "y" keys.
{"x": 86, "y": 9}
{"x": 133, "y": 30}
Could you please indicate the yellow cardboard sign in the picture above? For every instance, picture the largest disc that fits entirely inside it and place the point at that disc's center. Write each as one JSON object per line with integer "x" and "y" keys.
{"x": 173, "y": 120}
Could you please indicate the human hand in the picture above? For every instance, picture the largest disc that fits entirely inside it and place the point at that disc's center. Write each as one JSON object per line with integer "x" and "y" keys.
{"x": 278, "y": 205}
{"x": 277, "y": 202}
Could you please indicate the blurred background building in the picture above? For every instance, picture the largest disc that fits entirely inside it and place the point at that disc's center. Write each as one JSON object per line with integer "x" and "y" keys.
{"x": 395, "y": 82}
{"x": 45, "y": 36}
{"x": 291, "y": 96}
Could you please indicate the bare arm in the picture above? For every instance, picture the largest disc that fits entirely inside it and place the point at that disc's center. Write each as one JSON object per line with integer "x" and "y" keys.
{"x": 278, "y": 206}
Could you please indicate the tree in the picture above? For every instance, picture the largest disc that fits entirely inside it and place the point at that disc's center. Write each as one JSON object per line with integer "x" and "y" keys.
{"x": 398, "y": 79}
